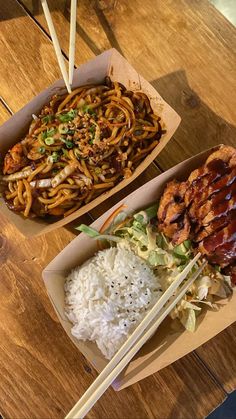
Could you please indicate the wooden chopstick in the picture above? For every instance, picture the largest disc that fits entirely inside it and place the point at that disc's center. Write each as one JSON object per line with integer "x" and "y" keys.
{"x": 56, "y": 44}
{"x": 73, "y": 10}
{"x": 122, "y": 357}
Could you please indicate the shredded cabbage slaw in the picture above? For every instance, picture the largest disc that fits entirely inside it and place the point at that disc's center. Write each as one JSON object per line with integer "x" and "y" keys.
{"x": 139, "y": 232}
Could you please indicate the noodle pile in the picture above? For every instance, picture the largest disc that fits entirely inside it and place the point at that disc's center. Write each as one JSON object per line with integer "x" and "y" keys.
{"x": 80, "y": 145}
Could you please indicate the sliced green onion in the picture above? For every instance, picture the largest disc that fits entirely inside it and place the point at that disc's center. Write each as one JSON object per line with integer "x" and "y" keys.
{"x": 44, "y": 135}
{"x": 48, "y": 133}
{"x": 55, "y": 157}
{"x": 91, "y": 232}
{"x": 62, "y": 129}
{"x": 49, "y": 140}
{"x": 69, "y": 144}
{"x": 51, "y": 132}
{"x": 42, "y": 150}
{"x": 47, "y": 118}
{"x": 66, "y": 117}
{"x": 92, "y": 129}
{"x": 87, "y": 109}
{"x": 65, "y": 152}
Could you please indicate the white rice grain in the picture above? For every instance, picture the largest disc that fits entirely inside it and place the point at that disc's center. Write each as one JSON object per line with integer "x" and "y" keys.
{"x": 108, "y": 295}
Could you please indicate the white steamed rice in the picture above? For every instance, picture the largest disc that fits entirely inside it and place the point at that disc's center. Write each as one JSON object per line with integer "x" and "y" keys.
{"x": 108, "y": 295}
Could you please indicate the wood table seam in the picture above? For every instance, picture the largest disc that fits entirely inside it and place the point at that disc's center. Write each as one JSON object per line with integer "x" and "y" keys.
{"x": 210, "y": 372}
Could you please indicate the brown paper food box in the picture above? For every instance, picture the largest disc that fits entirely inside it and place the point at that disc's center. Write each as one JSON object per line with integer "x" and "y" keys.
{"x": 110, "y": 63}
{"x": 167, "y": 345}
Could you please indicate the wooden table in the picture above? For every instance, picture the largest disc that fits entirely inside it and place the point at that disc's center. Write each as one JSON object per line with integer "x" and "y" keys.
{"x": 187, "y": 50}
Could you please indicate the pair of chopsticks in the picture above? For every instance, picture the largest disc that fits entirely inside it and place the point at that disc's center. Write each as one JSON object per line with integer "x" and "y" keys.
{"x": 60, "y": 58}
{"x": 139, "y": 337}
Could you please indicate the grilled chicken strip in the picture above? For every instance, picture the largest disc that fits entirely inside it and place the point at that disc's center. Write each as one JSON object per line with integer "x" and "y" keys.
{"x": 216, "y": 225}
{"x": 222, "y": 209}
{"x": 226, "y": 235}
{"x": 219, "y": 198}
{"x": 171, "y": 212}
{"x": 204, "y": 209}
{"x": 225, "y": 254}
{"x": 202, "y": 196}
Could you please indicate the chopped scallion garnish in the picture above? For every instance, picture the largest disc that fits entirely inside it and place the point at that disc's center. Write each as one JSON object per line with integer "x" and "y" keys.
{"x": 66, "y": 117}
{"x": 68, "y": 143}
{"x": 55, "y": 157}
{"x": 49, "y": 141}
{"x": 47, "y": 118}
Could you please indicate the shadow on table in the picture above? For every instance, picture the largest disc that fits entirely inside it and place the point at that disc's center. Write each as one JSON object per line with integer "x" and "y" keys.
{"x": 105, "y": 25}
{"x": 34, "y": 8}
{"x": 200, "y": 128}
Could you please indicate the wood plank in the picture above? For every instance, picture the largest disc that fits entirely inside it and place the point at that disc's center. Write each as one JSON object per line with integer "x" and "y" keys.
{"x": 181, "y": 405}
{"x": 91, "y": 39}
{"x": 219, "y": 354}
{"x": 25, "y": 66}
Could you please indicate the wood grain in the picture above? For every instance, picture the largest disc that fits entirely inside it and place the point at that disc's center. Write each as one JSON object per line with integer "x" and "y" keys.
{"x": 43, "y": 375}
{"x": 4, "y": 113}
{"x": 219, "y": 354}
{"x": 27, "y": 70}
{"x": 90, "y": 38}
